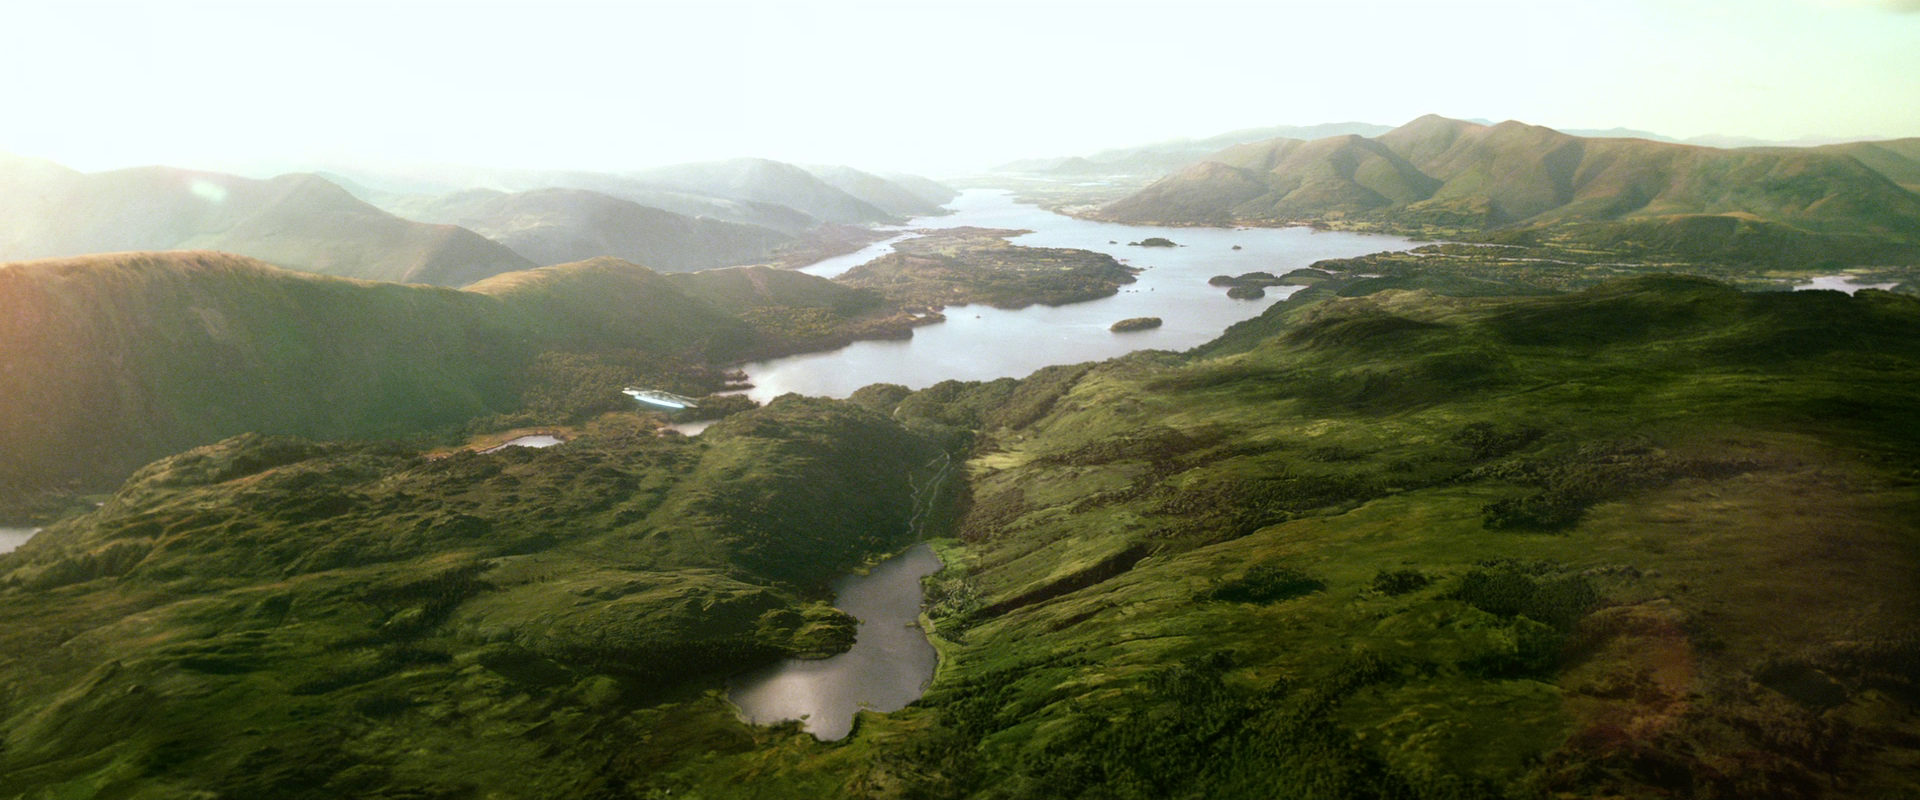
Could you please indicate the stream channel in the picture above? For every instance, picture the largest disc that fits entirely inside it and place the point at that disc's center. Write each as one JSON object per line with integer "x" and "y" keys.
{"x": 891, "y": 660}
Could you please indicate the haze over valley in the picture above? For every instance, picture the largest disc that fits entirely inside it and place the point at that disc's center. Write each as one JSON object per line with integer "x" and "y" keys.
{"x": 1464, "y": 401}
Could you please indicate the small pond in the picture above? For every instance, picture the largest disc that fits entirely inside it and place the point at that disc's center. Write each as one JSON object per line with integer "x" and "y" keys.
{"x": 11, "y": 538}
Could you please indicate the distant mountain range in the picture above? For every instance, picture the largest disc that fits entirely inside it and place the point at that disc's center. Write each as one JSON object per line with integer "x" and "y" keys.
{"x": 301, "y": 222}
{"x": 1453, "y": 175}
{"x": 1161, "y": 158}
{"x": 447, "y": 227}
{"x": 771, "y": 182}
{"x": 558, "y": 226}
{"x": 900, "y": 196}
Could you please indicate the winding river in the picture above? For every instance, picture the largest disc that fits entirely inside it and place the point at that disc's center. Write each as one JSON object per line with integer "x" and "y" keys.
{"x": 891, "y": 660}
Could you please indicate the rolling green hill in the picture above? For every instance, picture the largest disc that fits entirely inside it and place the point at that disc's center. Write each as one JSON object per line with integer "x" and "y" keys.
{"x": 1446, "y": 177}
{"x": 115, "y": 360}
{"x": 107, "y": 362}
{"x": 1898, "y": 159}
{"x": 261, "y": 612}
{"x": 300, "y": 222}
{"x": 1651, "y": 539}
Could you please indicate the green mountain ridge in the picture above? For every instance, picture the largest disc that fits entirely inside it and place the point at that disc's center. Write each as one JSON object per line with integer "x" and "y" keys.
{"x": 1436, "y": 175}
{"x": 1898, "y": 159}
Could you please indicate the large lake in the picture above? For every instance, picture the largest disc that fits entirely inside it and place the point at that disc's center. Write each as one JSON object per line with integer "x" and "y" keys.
{"x": 982, "y": 343}
{"x": 888, "y": 667}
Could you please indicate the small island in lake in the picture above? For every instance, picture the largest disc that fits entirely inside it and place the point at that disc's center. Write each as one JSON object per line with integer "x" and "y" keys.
{"x": 1135, "y": 324}
{"x": 1253, "y": 285}
{"x": 959, "y": 266}
{"x": 1154, "y": 241}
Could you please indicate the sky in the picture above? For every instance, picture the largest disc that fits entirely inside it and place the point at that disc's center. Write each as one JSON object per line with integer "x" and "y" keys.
{"x": 934, "y": 87}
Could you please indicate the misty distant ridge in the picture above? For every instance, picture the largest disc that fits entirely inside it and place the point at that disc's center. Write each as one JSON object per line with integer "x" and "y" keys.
{"x": 1165, "y": 157}
{"x": 299, "y": 221}
{"x": 448, "y": 225}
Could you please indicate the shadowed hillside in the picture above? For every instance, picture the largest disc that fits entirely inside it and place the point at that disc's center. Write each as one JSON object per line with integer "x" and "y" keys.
{"x": 1446, "y": 177}
{"x": 300, "y": 222}
{"x": 111, "y": 361}
{"x": 1898, "y": 159}
{"x": 792, "y": 312}
{"x": 114, "y": 360}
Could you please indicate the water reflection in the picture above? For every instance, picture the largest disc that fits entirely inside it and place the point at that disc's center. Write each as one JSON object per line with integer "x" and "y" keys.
{"x": 888, "y": 667}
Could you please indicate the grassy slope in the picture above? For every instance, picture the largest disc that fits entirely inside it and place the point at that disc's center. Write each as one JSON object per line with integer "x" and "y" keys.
{"x": 792, "y": 312}
{"x": 275, "y": 618}
{"x": 1715, "y": 597}
{"x": 1898, "y": 159}
{"x": 1650, "y": 539}
{"x": 1741, "y": 487}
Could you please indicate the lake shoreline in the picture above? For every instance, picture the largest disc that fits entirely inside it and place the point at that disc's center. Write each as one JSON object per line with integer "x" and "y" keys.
{"x": 886, "y": 668}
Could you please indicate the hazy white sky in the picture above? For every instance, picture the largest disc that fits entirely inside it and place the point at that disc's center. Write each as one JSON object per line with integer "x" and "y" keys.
{"x": 934, "y": 86}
